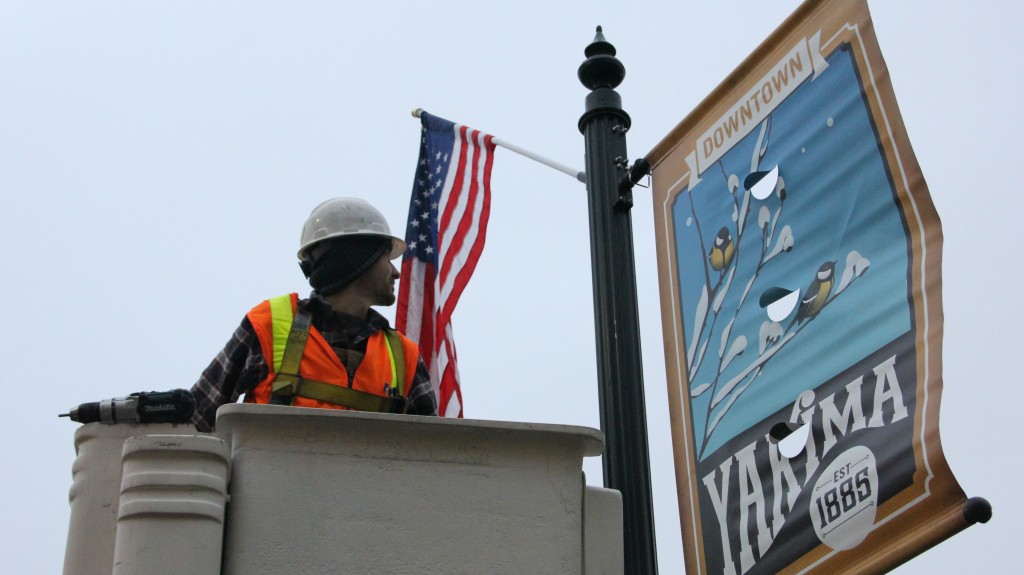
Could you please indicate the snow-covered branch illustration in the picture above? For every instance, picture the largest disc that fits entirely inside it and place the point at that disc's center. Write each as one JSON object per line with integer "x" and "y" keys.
{"x": 721, "y": 258}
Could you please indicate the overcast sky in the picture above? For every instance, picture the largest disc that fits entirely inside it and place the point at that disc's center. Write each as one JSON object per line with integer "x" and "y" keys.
{"x": 158, "y": 159}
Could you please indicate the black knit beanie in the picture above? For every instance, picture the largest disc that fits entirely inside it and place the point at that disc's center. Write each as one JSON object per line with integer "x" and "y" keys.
{"x": 342, "y": 261}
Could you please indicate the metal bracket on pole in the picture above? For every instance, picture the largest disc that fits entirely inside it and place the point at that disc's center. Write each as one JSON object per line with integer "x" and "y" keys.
{"x": 631, "y": 178}
{"x": 641, "y": 168}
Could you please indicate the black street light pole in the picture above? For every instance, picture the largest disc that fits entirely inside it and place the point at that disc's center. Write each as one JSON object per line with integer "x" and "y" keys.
{"x": 619, "y": 368}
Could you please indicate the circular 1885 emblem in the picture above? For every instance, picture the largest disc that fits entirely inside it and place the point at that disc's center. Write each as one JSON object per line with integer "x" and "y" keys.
{"x": 845, "y": 499}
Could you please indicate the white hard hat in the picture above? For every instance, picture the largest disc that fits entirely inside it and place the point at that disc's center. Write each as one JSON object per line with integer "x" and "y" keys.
{"x": 339, "y": 217}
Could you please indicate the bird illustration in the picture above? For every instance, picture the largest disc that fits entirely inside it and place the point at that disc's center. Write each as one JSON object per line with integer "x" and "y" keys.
{"x": 817, "y": 293}
{"x": 722, "y": 251}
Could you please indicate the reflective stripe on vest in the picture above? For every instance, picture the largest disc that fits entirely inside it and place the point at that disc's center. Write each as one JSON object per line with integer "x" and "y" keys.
{"x": 281, "y": 317}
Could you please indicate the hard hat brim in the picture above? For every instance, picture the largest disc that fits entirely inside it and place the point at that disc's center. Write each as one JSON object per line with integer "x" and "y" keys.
{"x": 397, "y": 245}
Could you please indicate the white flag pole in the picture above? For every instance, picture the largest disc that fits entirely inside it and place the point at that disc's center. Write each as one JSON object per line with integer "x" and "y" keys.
{"x": 580, "y": 176}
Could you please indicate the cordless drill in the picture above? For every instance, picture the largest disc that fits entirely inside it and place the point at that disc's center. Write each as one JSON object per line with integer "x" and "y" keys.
{"x": 143, "y": 407}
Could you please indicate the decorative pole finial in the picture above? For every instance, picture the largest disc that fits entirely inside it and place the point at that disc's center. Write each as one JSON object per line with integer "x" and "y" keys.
{"x": 601, "y": 69}
{"x": 599, "y": 46}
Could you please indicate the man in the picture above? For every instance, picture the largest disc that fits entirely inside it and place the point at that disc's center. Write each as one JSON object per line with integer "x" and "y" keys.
{"x": 331, "y": 350}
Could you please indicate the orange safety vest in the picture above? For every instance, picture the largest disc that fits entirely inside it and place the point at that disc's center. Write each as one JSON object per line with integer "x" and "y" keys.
{"x": 376, "y": 375}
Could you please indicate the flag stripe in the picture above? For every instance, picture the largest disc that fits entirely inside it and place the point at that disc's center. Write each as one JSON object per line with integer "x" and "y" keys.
{"x": 465, "y": 196}
{"x": 470, "y": 235}
{"x": 450, "y": 387}
{"x": 478, "y": 229}
{"x": 410, "y": 305}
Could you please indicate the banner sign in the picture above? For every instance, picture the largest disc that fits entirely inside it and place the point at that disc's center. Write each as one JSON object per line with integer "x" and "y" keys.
{"x": 799, "y": 261}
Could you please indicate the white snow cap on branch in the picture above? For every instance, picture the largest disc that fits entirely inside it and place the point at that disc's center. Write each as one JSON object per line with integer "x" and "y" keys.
{"x": 856, "y": 265}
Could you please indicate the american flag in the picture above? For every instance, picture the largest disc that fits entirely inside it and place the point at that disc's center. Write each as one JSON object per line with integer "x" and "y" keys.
{"x": 451, "y": 201}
